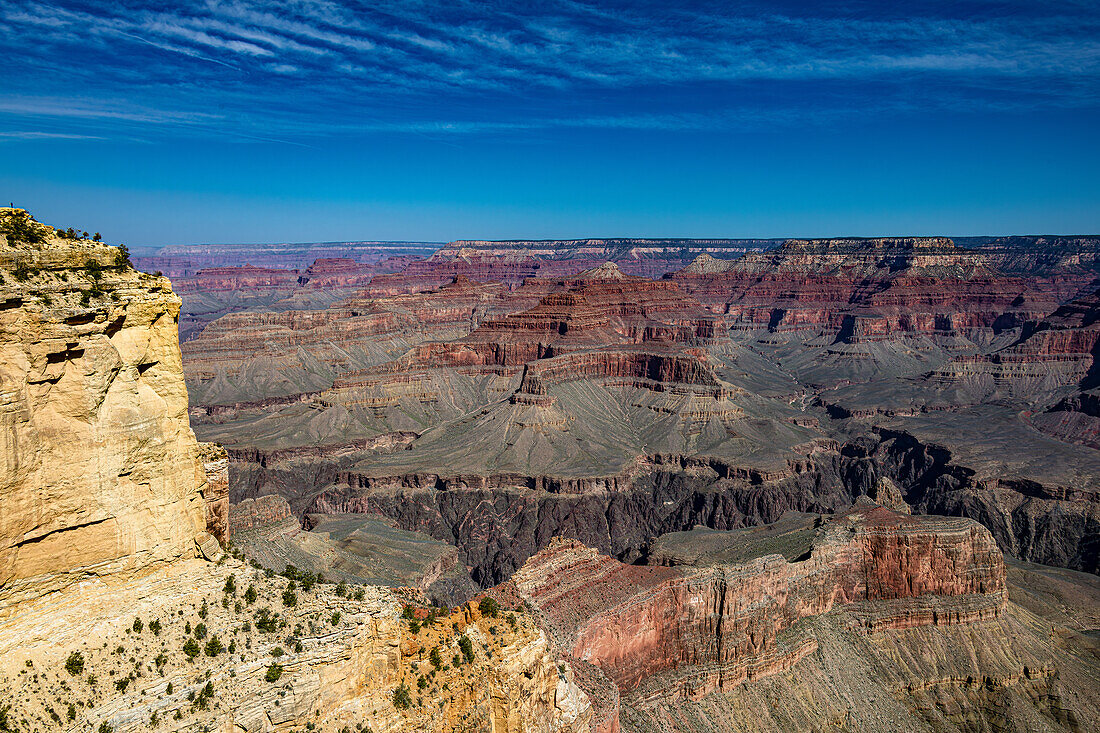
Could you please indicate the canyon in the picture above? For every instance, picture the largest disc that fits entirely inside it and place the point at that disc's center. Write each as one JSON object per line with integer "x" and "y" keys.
{"x": 494, "y": 415}
{"x": 585, "y": 485}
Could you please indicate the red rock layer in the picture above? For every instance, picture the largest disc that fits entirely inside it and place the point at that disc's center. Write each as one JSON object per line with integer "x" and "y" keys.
{"x": 600, "y": 324}
{"x": 235, "y": 278}
{"x": 261, "y": 512}
{"x": 716, "y": 627}
{"x": 1057, "y": 351}
{"x": 865, "y": 289}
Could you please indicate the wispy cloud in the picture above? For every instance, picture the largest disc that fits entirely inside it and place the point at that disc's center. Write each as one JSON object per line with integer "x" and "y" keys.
{"x": 34, "y": 135}
{"x": 302, "y": 65}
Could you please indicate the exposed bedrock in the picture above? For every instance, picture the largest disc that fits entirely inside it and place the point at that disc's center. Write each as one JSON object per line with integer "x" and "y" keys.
{"x": 100, "y": 472}
{"x": 666, "y": 633}
{"x": 499, "y": 521}
{"x": 683, "y": 616}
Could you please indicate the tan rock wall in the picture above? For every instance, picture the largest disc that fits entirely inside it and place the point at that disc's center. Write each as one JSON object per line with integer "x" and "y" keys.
{"x": 99, "y": 470}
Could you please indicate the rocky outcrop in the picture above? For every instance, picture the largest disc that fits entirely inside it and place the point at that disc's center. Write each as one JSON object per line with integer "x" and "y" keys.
{"x": 714, "y": 628}
{"x": 101, "y": 473}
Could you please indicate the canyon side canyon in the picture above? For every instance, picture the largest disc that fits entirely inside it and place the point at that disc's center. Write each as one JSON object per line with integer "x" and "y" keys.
{"x": 558, "y": 486}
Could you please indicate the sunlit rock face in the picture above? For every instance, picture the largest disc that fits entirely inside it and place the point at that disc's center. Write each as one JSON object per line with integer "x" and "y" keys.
{"x": 101, "y": 473}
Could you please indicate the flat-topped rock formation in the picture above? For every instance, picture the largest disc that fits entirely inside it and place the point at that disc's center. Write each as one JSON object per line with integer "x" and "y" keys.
{"x": 185, "y": 260}
{"x": 697, "y": 641}
{"x": 102, "y": 474}
{"x": 352, "y": 548}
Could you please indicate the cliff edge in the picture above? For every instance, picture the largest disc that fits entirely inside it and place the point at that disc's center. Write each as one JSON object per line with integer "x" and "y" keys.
{"x": 101, "y": 473}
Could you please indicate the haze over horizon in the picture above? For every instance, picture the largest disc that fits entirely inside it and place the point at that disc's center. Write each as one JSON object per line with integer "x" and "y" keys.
{"x": 242, "y": 121}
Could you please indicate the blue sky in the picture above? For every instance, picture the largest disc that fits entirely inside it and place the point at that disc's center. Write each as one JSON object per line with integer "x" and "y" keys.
{"x": 243, "y": 121}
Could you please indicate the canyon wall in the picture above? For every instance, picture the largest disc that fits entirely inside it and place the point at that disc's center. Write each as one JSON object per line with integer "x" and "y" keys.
{"x": 101, "y": 472}
{"x": 714, "y": 627}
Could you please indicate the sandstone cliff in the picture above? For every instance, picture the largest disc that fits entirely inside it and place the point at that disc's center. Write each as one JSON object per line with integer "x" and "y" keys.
{"x": 101, "y": 472}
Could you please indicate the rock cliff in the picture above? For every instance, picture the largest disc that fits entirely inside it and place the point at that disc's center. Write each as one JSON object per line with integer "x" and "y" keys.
{"x": 692, "y": 645}
{"x": 101, "y": 473}
{"x": 120, "y": 611}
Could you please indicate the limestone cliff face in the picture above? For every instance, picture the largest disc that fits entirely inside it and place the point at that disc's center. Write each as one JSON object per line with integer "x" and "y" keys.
{"x": 100, "y": 472}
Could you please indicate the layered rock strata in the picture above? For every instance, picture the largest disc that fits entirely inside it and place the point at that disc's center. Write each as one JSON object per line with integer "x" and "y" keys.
{"x": 865, "y": 289}
{"x": 101, "y": 473}
{"x": 714, "y": 627}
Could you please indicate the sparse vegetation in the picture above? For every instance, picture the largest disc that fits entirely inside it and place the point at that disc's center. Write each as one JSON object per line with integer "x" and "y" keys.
{"x": 21, "y": 227}
{"x": 402, "y": 699}
{"x": 266, "y": 622}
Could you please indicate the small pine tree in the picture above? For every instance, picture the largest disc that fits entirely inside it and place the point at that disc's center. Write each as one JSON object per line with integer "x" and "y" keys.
{"x": 191, "y": 648}
{"x": 214, "y": 647}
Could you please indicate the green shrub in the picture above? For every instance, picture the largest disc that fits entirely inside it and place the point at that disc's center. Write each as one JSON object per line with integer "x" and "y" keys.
{"x": 74, "y": 665}
{"x": 290, "y": 598}
{"x": 191, "y": 648}
{"x": 154, "y": 626}
{"x": 71, "y": 713}
{"x": 341, "y": 589}
{"x": 250, "y": 595}
{"x": 467, "y": 648}
{"x": 266, "y": 622}
{"x": 105, "y": 727}
{"x": 435, "y": 659}
{"x": 230, "y": 586}
{"x": 335, "y": 618}
{"x": 274, "y": 672}
{"x": 489, "y": 607}
{"x": 402, "y": 700}
{"x": 200, "y": 631}
{"x": 277, "y": 652}
{"x": 138, "y": 625}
